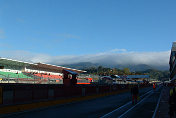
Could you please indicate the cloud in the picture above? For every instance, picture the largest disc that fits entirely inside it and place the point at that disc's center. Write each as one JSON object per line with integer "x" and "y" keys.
{"x": 118, "y": 50}
{"x": 153, "y": 59}
{"x": 65, "y": 36}
{"x": 68, "y": 36}
{"x": 20, "y": 20}
{"x": 2, "y": 34}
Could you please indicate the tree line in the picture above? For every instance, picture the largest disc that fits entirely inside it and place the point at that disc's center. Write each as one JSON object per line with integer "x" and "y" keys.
{"x": 154, "y": 74}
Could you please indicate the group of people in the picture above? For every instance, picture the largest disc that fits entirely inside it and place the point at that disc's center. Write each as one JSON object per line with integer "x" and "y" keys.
{"x": 172, "y": 102}
{"x": 135, "y": 93}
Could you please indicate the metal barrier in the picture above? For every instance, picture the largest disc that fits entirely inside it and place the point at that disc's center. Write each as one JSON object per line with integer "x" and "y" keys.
{"x": 27, "y": 93}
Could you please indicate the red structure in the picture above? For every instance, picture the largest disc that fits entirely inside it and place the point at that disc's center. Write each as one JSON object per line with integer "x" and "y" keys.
{"x": 45, "y": 75}
{"x": 69, "y": 78}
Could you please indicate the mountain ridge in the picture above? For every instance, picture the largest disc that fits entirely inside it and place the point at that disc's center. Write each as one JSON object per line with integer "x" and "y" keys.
{"x": 139, "y": 67}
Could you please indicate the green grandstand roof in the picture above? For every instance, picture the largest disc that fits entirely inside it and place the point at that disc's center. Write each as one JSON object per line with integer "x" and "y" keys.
{"x": 57, "y": 68}
{"x": 14, "y": 62}
{"x": 50, "y": 67}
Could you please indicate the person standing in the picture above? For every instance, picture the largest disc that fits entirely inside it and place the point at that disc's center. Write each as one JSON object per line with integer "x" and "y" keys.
{"x": 134, "y": 93}
{"x": 172, "y": 104}
{"x": 154, "y": 86}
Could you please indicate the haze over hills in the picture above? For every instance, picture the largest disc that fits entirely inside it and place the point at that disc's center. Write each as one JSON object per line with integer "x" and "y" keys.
{"x": 113, "y": 59}
{"x": 138, "y": 67}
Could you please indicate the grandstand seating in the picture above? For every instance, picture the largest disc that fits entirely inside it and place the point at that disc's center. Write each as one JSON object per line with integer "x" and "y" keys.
{"x": 2, "y": 76}
{"x": 13, "y": 75}
{"x": 44, "y": 75}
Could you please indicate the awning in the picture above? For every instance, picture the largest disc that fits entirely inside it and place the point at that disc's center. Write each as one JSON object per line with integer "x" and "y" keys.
{"x": 6, "y": 61}
{"x": 54, "y": 68}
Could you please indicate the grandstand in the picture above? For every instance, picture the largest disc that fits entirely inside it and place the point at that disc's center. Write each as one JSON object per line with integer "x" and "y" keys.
{"x": 15, "y": 71}
{"x": 13, "y": 75}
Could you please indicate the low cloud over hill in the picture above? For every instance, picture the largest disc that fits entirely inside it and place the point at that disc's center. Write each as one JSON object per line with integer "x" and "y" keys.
{"x": 158, "y": 60}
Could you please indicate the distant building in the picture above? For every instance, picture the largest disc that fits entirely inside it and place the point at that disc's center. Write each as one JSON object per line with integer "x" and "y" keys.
{"x": 172, "y": 63}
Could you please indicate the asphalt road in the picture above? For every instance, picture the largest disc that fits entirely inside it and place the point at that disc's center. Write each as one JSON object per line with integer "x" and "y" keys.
{"x": 146, "y": 108}
{"x": 143, "y": 109}
{"x": 87, "y": 109}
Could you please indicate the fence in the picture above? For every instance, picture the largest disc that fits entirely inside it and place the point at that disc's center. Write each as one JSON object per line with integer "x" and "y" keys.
{"x": 27, "y": 93}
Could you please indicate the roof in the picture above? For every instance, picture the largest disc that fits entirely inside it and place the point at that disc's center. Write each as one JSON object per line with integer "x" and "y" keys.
{"x": 14, "y": 62}
{"x": 138, "y": 76}
{"x": 173, "y": 46}
{"x": 56, "y": 68}
{"x": 71, "y": 72}
{"x": 134, "y": 76}
{"x": 40, "y": 66}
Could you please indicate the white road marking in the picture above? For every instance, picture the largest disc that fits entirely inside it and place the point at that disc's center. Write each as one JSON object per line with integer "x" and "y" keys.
{"x": 108, "y": 114}
{"x": 154, "y": 114}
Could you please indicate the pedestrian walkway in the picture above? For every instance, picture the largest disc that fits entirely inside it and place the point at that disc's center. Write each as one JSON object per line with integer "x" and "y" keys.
{"x": 163, "y": 109}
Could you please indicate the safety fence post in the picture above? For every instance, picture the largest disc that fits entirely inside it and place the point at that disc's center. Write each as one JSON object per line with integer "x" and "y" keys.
{"x": 97, "y": 90}
{"x": 83, "y": 91}
{"x": 1, "y": 95}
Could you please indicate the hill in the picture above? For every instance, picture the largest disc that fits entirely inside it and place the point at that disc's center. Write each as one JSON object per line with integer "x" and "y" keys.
{"x": 86, "y": 65}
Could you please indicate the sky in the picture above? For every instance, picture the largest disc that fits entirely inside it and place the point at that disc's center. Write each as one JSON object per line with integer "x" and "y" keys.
{"x": 70, "y": 31}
